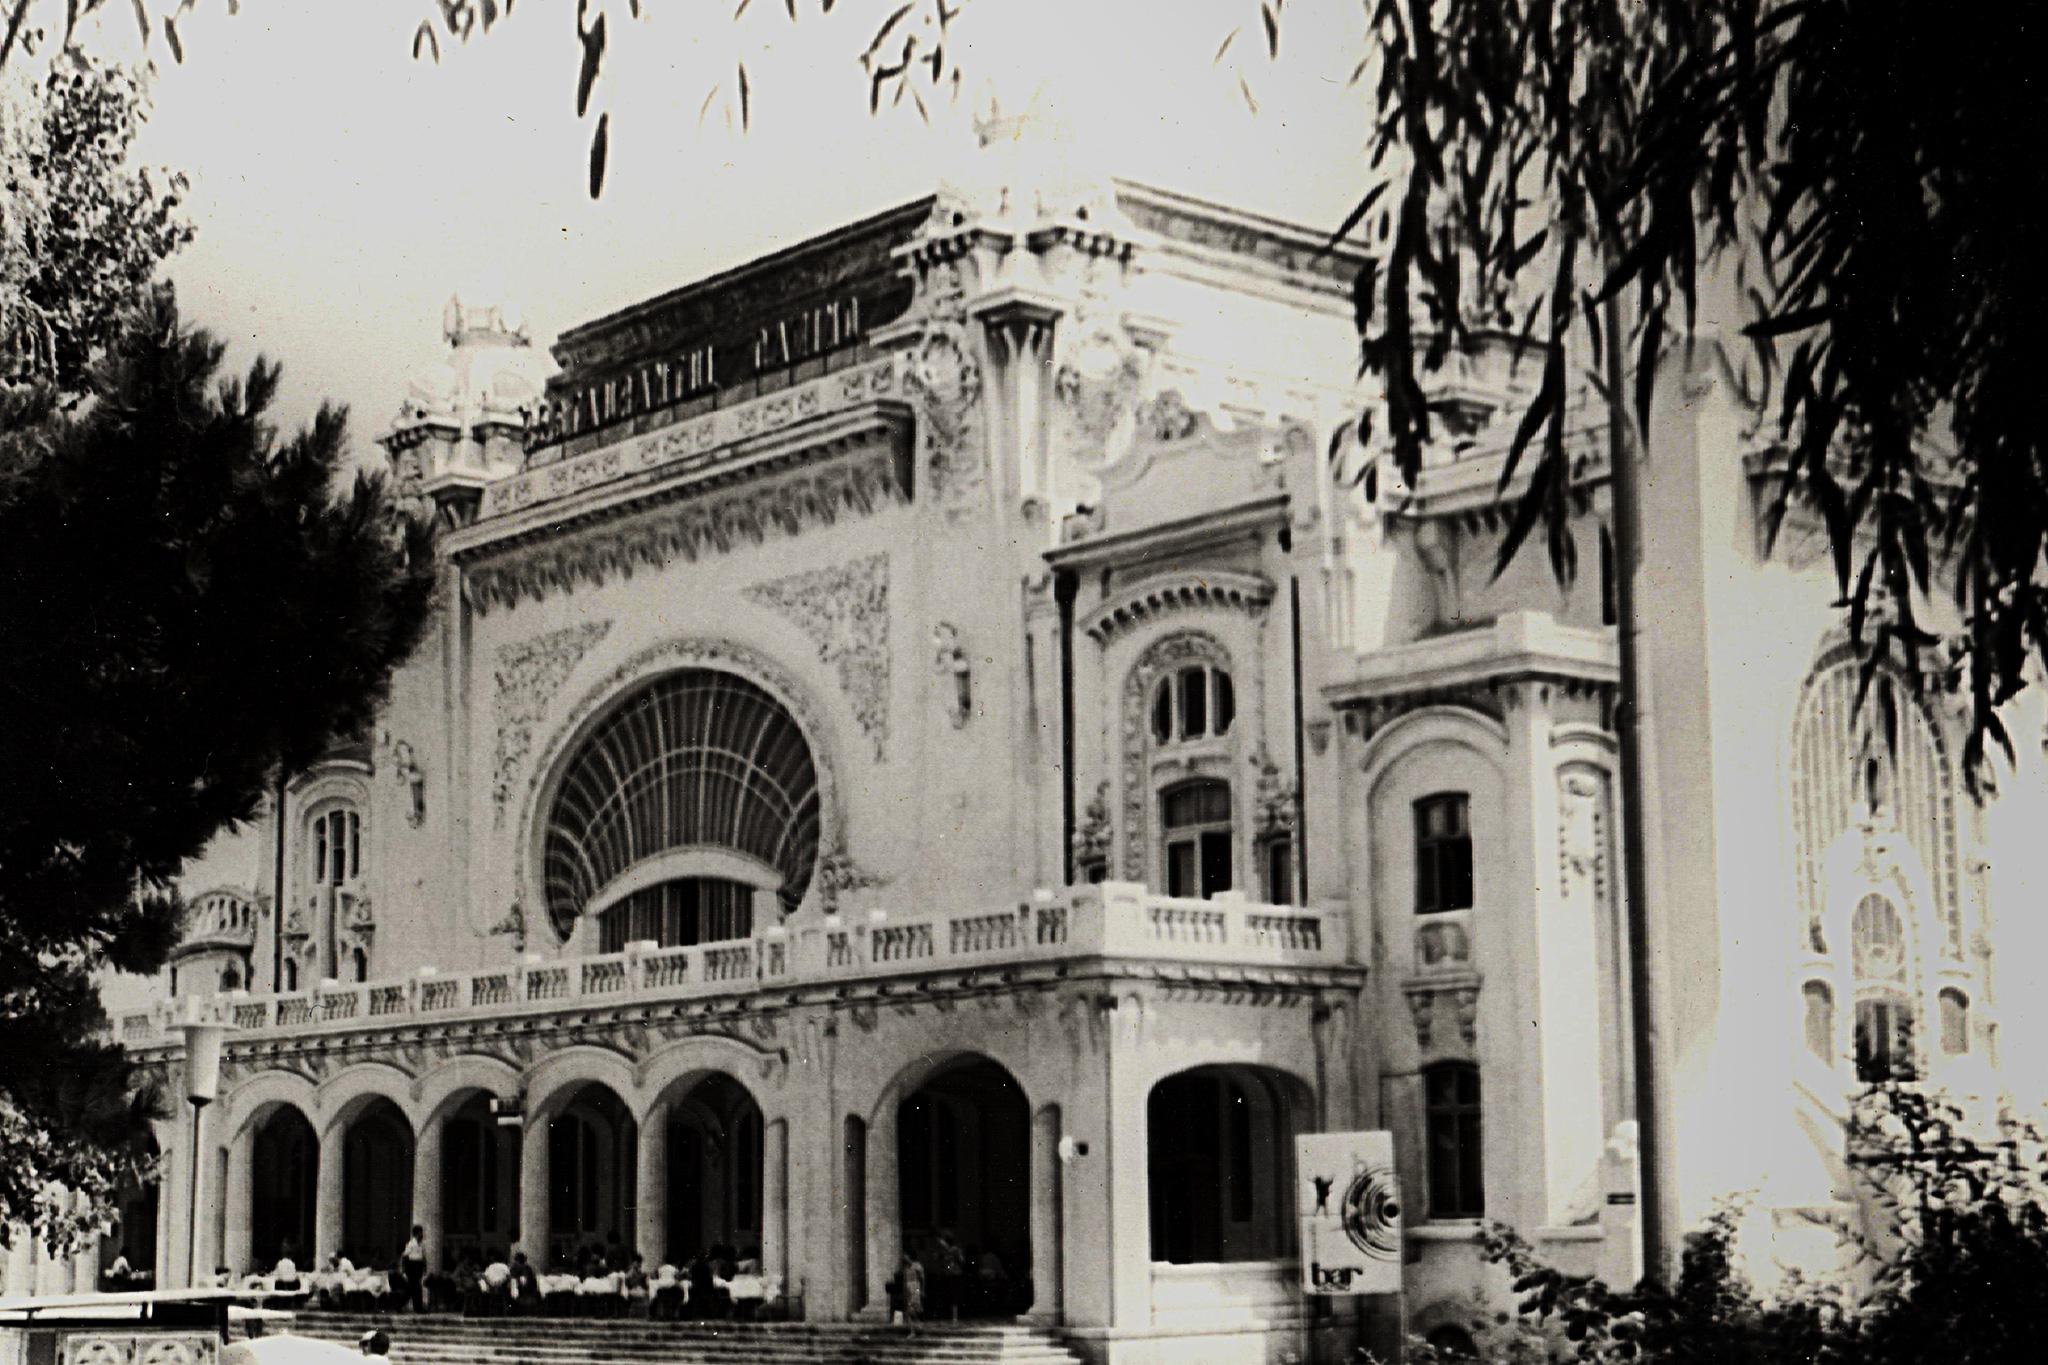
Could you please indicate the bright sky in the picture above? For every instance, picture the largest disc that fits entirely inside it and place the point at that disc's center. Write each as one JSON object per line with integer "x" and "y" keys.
{"x": 342, "y": 190}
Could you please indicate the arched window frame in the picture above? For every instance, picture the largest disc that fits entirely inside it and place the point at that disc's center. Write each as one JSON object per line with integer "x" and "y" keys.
{"x": 636, "y": 716}
{"x": 1150, "y": 768}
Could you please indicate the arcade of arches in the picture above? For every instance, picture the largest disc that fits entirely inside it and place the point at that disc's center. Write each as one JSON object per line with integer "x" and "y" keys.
{"x": 958, "y": 1157}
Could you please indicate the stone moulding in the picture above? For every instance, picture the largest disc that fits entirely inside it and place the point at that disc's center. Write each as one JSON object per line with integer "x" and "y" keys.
{"x": 1189, "y": 590}
{"x": 811, "y": 475}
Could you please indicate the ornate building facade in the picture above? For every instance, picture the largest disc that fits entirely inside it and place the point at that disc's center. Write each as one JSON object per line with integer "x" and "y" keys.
{"x": 920, "y": 732}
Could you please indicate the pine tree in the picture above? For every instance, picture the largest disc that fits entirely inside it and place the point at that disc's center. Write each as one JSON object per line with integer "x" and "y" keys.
{"x": 186, "y": 603}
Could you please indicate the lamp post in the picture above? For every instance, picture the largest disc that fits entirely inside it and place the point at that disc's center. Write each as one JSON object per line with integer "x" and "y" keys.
{"x": 203, "y": 1035}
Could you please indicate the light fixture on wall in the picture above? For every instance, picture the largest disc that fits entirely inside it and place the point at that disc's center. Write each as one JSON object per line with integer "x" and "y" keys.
{"x": 509, "y": 1111}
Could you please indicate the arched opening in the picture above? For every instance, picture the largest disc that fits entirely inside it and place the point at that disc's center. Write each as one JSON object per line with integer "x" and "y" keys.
{"x": 133, "y": 1239}
{"x": 963, "y": 1164}
{"x": 714, "y": 1150}
{"x": 592, "y": 1145}
{"x": 285, "y": 1174}
{"x": 479, "y": 1182}
{"x": 1220, "y": 1164}
{"x": 692, "y": 775}
{"x": 376, "y": 1185}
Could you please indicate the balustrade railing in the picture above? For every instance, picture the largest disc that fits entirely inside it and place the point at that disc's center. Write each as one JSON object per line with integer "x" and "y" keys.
{"x": 1112, "y": 920}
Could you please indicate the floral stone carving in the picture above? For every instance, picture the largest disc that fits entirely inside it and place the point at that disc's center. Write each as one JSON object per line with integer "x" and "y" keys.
{"x": 845, "y": 612}
{"x": 943, "y": 379}
{"x": 529, "y": 673}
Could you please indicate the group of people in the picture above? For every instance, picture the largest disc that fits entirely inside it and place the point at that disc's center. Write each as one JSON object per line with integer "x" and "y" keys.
{"x": 614, "y": 1282}
{"x": 944, "y": 1281}
{"x": 341, "y": 1283}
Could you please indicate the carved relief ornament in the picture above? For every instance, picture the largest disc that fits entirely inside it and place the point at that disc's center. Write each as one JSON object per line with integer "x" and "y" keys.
{"x": 844, "y": 610}
{"x": 529, "y": 673}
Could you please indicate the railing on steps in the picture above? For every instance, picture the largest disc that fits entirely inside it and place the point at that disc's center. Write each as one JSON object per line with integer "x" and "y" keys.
{"x": 1114, "y": 919}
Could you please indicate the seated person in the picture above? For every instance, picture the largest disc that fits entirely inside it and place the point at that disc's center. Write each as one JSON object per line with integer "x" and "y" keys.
{"x": 496, "y": 1285}
{"x": 468, "y": 1283}
{"x": 120, "y": 1272}
{"x": 525, "y": 1284}
{"x": 635, "y": 1284}
{"x": 284, "y": 1276}
{"x": 666, "y": 1294}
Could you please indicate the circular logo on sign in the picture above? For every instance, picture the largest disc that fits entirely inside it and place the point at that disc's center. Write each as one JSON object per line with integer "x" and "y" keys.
{"x": 1372, "y": 1213}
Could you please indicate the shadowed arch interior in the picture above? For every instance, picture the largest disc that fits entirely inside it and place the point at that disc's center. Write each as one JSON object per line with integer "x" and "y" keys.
{"x": 696, "y": 759}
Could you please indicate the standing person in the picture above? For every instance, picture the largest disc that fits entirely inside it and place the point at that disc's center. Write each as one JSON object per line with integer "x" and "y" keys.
{"x": 412, "y": 1267}
{"x": 910, "y": 1279}
{"x": 949, "y": 1274}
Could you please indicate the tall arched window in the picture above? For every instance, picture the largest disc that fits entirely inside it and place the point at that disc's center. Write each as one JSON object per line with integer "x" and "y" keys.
{"x": 337, "y": 847}
{"x": 695, "y": 790}
{"x": 1884, "y": 761}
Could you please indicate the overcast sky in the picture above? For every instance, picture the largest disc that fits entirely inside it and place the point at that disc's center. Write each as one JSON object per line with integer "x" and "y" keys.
{"x": 342, "y": 189}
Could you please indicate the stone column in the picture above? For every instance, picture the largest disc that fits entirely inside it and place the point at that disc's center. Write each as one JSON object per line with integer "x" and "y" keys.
{"x": 1046, "y": 1220}
{"x": 885, "y": 1209}
{"x": 327, "y": 1199}
{"x": 533, "y": 1189}
{"x": 650, "y": 1218}
{"x": 774, "y": 1198}
{"x": 238, "y": 1249}
{"x": 426, "y": 1185}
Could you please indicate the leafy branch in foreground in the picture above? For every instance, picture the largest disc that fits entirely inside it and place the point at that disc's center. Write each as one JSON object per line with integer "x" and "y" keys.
{"x": 1860, "y": 170}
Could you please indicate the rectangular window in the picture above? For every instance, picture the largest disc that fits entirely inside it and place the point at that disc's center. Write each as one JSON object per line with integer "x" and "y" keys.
{"x": 1278, "y": 858}
{"x": 1443, "y": 854}
{"x": 1215, "y": 861}
{"x": 1199, "y": 860}
{"x": 1454, "y": 1152}
{"x": 1180, "y": 868}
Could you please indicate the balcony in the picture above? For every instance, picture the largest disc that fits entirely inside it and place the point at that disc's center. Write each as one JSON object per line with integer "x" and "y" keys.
{"x": 1113, "y": 921}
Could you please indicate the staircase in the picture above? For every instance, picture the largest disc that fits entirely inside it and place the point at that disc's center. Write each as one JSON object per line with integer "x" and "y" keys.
{"x": 443, "y": 1339}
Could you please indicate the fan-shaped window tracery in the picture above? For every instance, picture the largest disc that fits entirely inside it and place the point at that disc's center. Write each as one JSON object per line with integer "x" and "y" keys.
{"x": 698, "y": 759}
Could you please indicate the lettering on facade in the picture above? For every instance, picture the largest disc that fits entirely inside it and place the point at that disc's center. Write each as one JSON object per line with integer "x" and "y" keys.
{"x": 748, "y": 351}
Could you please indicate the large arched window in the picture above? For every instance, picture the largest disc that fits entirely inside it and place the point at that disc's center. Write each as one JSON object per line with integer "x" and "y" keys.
{"x": 1884, "y": 761}
{"x": 696, "y": 789}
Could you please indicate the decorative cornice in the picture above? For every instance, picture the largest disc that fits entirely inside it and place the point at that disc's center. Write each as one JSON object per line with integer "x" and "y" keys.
{"x": 1207, "y": 530}
{"x": 1473, "y": 668}
{"x": 852, "y": 464}
{"x": 1183, "y": 590}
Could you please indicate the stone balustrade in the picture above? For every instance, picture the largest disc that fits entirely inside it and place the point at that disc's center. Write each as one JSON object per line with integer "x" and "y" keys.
{"x": 1114, "y": 920}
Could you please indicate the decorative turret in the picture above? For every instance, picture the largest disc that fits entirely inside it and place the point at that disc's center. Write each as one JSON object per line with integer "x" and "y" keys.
{"x": 462, "y": 422}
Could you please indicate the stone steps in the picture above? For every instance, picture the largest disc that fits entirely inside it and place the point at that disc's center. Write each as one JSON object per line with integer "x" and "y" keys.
{"x": 439, "y": 1339}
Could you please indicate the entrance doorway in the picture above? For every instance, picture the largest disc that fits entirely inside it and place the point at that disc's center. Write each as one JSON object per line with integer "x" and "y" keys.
{"x": 1220, "y": 1165}
{"x": 592, "y": 1142}
{"x": 376, "y": 1186}
{"x": 479, "y": 1184}
{"x": 714, "y": 1171}
{"x": 286, "y": 1171}
{"x": 963, "y": 1170}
